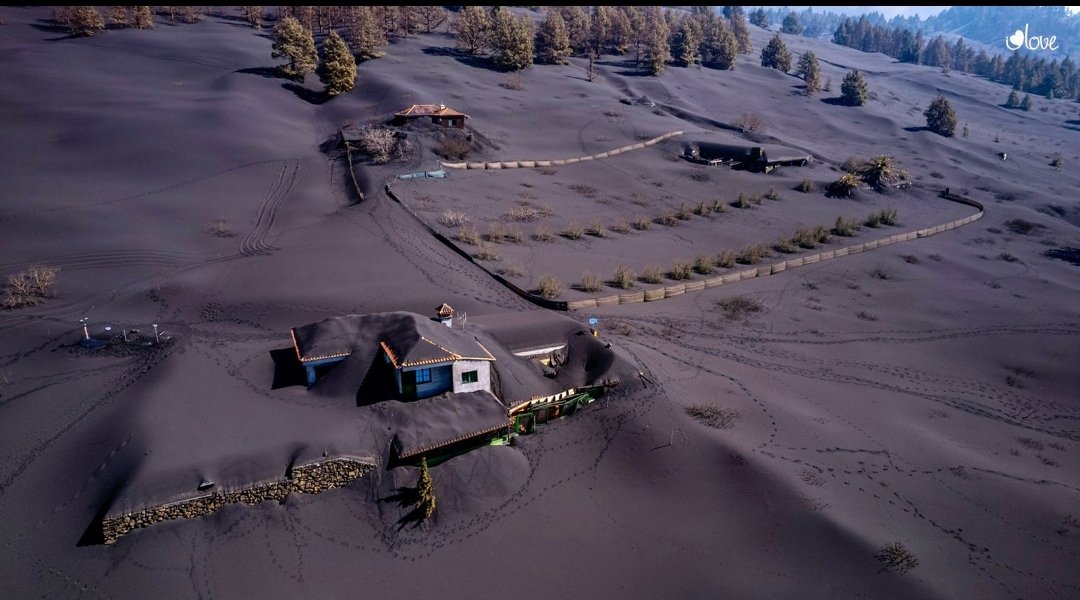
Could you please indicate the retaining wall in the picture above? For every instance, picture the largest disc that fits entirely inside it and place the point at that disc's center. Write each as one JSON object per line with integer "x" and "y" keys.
{"x": 311, "y": 478}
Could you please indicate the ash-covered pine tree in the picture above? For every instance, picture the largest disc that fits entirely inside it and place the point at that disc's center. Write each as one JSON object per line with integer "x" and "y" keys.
{"x": 254, "y": 15}
{"x": 740, "y": 29}
{"x": 600, "y": 29}
{"x": 144, "y": 17}
{"x": 86, "y": 21}
{"x": 368, "y": 34}
{"x": 1026, "y": 103}
{"x": 425, "y": 490}
{"x": 760, "y": 18}
{"x": 432, "y": 17}
{"x": 940, "y": 117}
{"x": 1013, "y": 101}
{"x": 552, "y": 42}
{"x": 775, "y": 55}
{"x": 719, "y": 47}
{"x": 337, "y": 70}
{"x": 621, "y": 33}
{"x": 656, "y": 35}
{"x": 512, "y": 41}
{"x": 294, "y": 42}
{"x": 810, "y": 71}
{"x": 685, "y": 42}
{"x": 577, "y": 27}
{"x": 120, "y": 16}
{"x": 473, "y": 28}
{"x": 854, "y": 90}
{"x": 791, "y": 24}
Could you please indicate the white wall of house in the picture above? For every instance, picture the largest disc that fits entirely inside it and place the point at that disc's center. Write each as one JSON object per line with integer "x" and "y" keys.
{"x": 483, "y": 375}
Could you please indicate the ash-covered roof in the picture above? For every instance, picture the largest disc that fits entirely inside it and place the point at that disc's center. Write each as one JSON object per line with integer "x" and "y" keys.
{"x": 430, "y": 110}
{"x": 407, "y": 338}
{"x": 432, "y": 423}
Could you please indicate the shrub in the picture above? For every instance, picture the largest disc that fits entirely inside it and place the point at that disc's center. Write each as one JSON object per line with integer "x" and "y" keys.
{"x": 805, "y": 238}
{"x": 30, "y": 287}
{"x": 512, "y": 234}
{"x": 597, "y": 229}
{"x": 880, "y": 273}
{"x": 667, "y": 218}
{"x": 703, "y": 209}
{"x": 624, "y": 277}
{"x": 543, "y": 234}
{"x": 739, "y": 306}
{"x": 911, "y": 259}
{"x": 684, "y": 213}
{"x": 714, "y": 416}
{"x": 772, "y": 194}
{"x": 874, "y": 220}
{"x": 752, "y": 255}
{"x": 718, "y": 205}
{"x": 621, "y": 227}
{"x": 845, "y": 186}
{"x": 573, "y": 231}
{"x": 755, "y": 198}
{"x": 879, "y": 172}
{"x": 379, "y": 144}
{"x": 525, "y": 213}
{"x": 425, "y": 490}
{"x": 513, "y": 82}
{"x": 844, "y": 227}
{"x": 453, "y": 147}
{"x": 495, "y": 233}
{"x": 749, "y": 122}
{"x": 743, "y": 201}
{"x": 681, "y": 270}
{"x": 221, "y": 228}
{"x": 452, "y": 218}
{"x": 585, "y": 190}
{"x": 821, "y": 234}
{"x": 726, "y": 259}
{"x": 806, "y": 186}
{"x": 590, "y": 283}
{"x": 865, "y": 316}
{"x": 468, "y": 235}
{"x": 895, "y": 557}
{"x": 1057, "y": 163}
{"x": 511, "y": 269}
{"x": 940, "y": 117}
{"x": 652, "y": 274}
{"x": 549, "y": 287}
{"x": 786, "y": 246}
{"x": 705, "y": 264}
{"x": 486, "y": 252}
{"x": 642, "y": 223}
{"x": 888, "y": 216}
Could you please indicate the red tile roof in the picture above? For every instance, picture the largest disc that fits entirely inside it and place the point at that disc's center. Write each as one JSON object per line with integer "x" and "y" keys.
{"x": 430, "y": 110}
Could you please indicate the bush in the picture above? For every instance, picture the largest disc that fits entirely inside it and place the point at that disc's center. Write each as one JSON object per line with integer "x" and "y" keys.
{"x": 468, "y": 235}
{"x": 453, "y": 148}
{"x": 786, "y": 246}
{"x": 940, "y": 117}
{"x": 879, "y": 172}
{"x": 379, "y": 144}
{"x": 549, "y": 287}
{"x": 821, "y": 234}
{"x": 513, "y": 82}
{"x": 772, "y": 194}
{"x": 652, "y": 274}
{"x": 713, "y": 416}
{"x": 806, "y": 186}
{"x": 874, "y": 220}
{"x": 749, "y": 122}
{"x": 29, "y": 288}
{"x": 511, "y": 269}
{"x": 452, "y": 218}
{"x": 889, "y": 216}
{"x": 590, "y": 283}
{"x": 681, "y": 270}
{"x": 667, "y": 218}
{"x": 752, "y": 255}
{"x": 486, "y": 252}
{"x": 642, "y": 223}
{"x": 495, "y": 233}
{"x": 805, "y": 238}
{"x": 895, "y": 557}
{"x": 512, "y": 234}
{"x": 573, "y": 231}
{"x": 597, "y": 229}
{"x": 221, "y": 228}
{"x": 739, "y": 306}
{"x": 844, "y": 227}
{"x": 621, "y": 227}
{"x": 1057, "y": 163}
{"x": 543, "y": 234}
{"x": 705, "y": 264}
{"x": 726, "y": 259}
{"x": 684, "y": 213}
{"x": 526, "y": 213}
{"x": 425, "y": 490}
{"x": 743, "y": 201}
{"x": 703, "y": 209}
{"x": 624, "y": 278}
{"x": 845, "y": 186}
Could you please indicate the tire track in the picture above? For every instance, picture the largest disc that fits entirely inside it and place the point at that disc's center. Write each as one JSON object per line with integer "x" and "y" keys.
{"x": 255, "y": 241}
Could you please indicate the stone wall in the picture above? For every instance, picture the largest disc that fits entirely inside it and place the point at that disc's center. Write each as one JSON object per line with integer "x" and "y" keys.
{"x": 311, "y": 478}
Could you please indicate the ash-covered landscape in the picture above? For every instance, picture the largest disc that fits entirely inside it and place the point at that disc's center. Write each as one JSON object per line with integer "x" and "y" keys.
{"x": 619, "y": 302}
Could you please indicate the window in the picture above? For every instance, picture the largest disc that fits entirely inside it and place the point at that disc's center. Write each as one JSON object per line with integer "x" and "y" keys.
{"x": 470, "y": 377}
{"x": 423, "y": 375}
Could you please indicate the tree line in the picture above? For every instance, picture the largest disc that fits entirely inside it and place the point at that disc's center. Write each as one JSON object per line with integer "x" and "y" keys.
{"x": 1024, "y": 72}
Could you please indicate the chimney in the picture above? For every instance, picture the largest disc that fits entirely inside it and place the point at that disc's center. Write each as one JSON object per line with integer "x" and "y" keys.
{"x": 442, "y": 107}
{"x": 444, "y": 314}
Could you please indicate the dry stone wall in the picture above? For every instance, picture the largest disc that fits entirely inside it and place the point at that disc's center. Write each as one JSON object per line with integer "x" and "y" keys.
{"x": 529, "y": 164}
{"x": 311, "y": 478}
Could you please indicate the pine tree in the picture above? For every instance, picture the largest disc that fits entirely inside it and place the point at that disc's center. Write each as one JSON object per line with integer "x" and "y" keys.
{"x": 553, "y": 43}
{"x": 120, "y": 16}
{"x": 621, "y": 33}
{"x": 425, "y": 490}
{"x": 294, "y": 43}
{"x": 577, "y": 27}
{"x": 144, "y": 17}
{"x": 600, "y": 29}
{"x": 685, "y": 43}
{"x": 254, "y": 15}
{"x": 337, "y": 70}
{"x": 791, "y": 24}
{"x": 810, "y": 71}
{"x": 86, "y": 21}
{"x": 1013, "y": 101}
{"x": 656, "y": 49}
{"x": 760, "y": 18}
{"x": 1026, "y": 103}
{"x": 940, "y": 117}
{"x": 512, "y": 41}
{"x": 741, "y": 30}
{"x": 368, "y": 35}
{"x": 775, "y": 55}
{"x": 473, "y": 29}
{"x": 719, "y": 48}
{"x": 432, "y": 17}
{"x": 854, "y": 90}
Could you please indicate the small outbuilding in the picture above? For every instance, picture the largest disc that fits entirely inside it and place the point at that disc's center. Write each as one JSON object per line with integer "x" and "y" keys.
{"x": 440, "y": 114}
